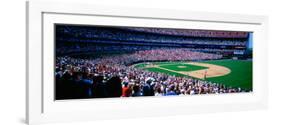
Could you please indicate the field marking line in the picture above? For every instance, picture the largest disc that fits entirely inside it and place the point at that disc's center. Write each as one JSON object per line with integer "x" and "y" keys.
{"x": 157, "y": 66}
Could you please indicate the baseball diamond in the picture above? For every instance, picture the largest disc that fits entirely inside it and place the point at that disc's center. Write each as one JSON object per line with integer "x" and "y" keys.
{"x": 232, "y": 73}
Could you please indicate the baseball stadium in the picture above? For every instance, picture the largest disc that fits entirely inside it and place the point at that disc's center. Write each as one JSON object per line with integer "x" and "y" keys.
{"x": 114, "y": 61}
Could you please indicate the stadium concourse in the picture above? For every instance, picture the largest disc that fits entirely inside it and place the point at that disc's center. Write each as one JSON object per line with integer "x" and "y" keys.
{"x": 98, "y": 62}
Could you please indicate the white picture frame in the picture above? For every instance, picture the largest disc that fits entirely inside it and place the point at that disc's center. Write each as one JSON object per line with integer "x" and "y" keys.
{"x": 41, "y": 107}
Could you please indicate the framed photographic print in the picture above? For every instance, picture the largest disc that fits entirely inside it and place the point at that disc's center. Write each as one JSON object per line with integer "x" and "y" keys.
{"x": 92, "y": 62}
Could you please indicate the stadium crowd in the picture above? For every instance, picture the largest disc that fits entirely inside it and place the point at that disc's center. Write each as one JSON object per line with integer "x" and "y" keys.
{"x": 113, "y": 76}
{"x": 153, "y": 35}
{"x": 193, "y": 33}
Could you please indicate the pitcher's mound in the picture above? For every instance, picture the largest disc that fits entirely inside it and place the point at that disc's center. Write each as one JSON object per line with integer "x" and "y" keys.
{"x": 181, "y": 66}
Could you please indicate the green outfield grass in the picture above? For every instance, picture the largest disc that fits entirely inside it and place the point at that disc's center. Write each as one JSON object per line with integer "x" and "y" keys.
{"x": 182, "y": 67}
{"x": 240, "y": 76}
{"x": 165, "y": 71}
